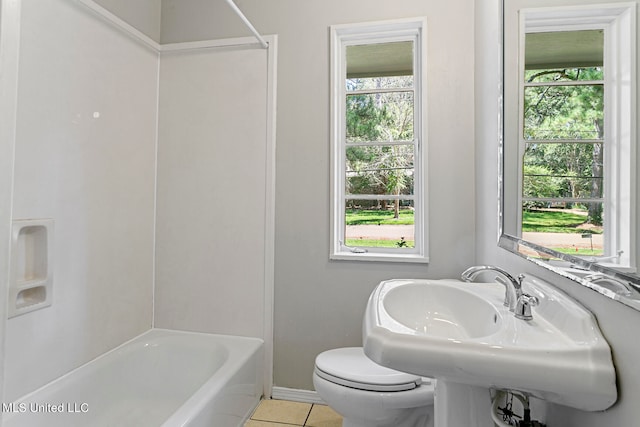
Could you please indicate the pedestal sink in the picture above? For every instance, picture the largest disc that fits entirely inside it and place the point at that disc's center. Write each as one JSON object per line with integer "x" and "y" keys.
{"x": 461, "y": 333}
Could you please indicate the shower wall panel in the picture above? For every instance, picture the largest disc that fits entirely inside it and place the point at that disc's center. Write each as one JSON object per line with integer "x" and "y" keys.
{"x": 85, "y": 157}
{"x": 212, "y": 153}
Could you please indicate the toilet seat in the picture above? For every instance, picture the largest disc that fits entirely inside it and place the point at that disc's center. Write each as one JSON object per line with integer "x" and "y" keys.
{"x": 350, "y": 367}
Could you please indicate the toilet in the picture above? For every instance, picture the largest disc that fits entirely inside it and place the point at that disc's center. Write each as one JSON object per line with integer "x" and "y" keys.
{"x": 369, "y": 395}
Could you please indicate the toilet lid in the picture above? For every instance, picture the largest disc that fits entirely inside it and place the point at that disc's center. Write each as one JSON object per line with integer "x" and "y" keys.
{"x": 350, "y": 367}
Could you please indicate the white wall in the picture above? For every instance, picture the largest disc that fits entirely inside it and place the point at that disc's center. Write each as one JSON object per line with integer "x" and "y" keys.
{"x": 617, "y": 322}
{"x": 319, "y": 304}
{"x": 211, "y": 209}
{"x": 85, "y": 156}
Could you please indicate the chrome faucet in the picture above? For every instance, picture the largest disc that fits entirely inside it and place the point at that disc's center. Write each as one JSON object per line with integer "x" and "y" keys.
{"x": 513, "y": 286}
{"x": 612, "y": 283}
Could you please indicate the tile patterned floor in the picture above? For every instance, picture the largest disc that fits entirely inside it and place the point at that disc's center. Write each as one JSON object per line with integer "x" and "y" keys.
{"x": 284, "y": 413}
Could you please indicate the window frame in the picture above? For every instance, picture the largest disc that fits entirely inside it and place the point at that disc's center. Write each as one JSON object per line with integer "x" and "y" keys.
{"x": 413, "y": 29}
{"x": 618, "y": 23}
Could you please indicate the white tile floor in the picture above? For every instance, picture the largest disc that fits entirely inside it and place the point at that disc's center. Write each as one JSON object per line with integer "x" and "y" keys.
{"x": 282, "y": 413}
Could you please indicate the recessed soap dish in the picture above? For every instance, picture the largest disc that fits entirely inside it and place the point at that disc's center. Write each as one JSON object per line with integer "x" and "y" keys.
{"x": 31, "y": 267}
{"x": 31, "y": 296}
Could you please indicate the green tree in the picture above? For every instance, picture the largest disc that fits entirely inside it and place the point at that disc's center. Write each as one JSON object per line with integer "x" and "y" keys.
{"x": 382, "y": 169}
{"x": 538, "y": 182}
{"x": 570, "y": 112}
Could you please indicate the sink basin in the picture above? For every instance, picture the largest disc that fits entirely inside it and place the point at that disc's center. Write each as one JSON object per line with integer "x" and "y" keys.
{"x": 440, "y": 310}
{"x": 461, "y": 332}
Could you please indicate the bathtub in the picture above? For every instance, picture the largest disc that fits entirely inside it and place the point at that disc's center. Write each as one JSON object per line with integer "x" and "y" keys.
{"x": 160, "y": 378}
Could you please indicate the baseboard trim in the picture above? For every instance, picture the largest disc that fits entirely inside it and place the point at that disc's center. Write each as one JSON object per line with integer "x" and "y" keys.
{"x": 296, "y": 395}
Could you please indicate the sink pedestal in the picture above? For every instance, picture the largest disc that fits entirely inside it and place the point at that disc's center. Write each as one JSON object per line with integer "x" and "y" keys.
{"x": 462, "y": 405}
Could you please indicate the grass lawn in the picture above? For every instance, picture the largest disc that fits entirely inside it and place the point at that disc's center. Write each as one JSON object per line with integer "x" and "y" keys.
{"x": 554, "y": 222}
{"x": 580, "y": 251}
{"x": 375, "y": 243}
{"x": 379, "y": 216}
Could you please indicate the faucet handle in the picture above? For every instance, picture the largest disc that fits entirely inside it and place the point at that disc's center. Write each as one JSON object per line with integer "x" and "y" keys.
{"x": 523, "y": 306}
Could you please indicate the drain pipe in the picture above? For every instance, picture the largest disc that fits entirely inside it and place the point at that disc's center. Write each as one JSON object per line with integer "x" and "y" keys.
{"x": 494, "y": 409}
{"x": 257, "y": 35}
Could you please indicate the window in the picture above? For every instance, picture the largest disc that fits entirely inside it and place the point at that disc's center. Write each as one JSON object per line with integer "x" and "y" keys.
{"x": 378, "y": 143}
{"x": 575, "y": 127}
{"x": 563, "y": 131}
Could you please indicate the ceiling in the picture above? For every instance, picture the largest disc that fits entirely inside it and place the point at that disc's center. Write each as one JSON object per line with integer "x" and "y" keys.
{"x": 565, "y": 49}
{"x": 380, "y": 59}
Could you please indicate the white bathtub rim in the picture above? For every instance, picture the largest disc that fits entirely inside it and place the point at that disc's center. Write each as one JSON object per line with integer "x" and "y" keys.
{"x": 151, "y": 331}
{"x": 196, "y": 403}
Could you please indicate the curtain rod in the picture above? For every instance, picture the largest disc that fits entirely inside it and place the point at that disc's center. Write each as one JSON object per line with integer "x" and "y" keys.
{"x": 257, "y": 35}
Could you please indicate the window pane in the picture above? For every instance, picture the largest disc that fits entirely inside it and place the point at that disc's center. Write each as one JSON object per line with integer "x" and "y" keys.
{"x": 564, "y": 50}
{"x": 559, "y": 187}
{"x": 563, "y": 170}
{"x": 564, "y": 112}
{"x": 380, "y": 117}
{"x": 386, "y": 169}
{"x": 380, "y": 59}
{"x": 565, "y": 228}
{"x": 564, "y": 75}
{"x": 373, "y": 83}
{"x": 379, "y": 223}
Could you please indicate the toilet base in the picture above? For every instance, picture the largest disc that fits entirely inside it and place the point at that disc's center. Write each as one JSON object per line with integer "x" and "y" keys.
{"x": 370, "y": 395}
{"x": 373, "y": 409}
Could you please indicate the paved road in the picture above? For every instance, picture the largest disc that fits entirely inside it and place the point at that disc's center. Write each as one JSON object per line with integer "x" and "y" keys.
{"x": 382, "y": 232}
{"x": 395, "y": 232}
{"x": 564, "y": 240}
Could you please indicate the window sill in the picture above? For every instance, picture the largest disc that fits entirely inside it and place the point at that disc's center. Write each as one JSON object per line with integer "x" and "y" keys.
{"x": 379, "y": 257}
